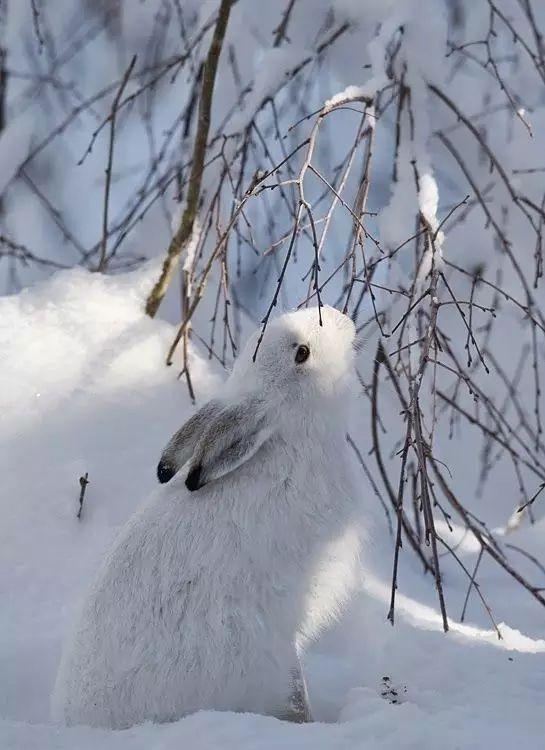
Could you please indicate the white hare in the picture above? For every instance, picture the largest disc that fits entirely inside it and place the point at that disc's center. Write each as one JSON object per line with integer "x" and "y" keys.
{"x": 212, "y": 589}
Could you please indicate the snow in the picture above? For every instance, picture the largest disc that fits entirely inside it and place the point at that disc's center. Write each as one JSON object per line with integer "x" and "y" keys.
{"x": 84, "y": 388}
{"x": 190, "y": 251}
{"x": 398, "y": 214}
{"x": 349, "y": 94}
{"x": 428, "y": 201}
{"x": 428, "y": 198}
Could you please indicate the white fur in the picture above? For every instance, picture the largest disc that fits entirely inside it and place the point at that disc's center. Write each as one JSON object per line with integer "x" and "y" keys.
{"x": 208, "y": 597}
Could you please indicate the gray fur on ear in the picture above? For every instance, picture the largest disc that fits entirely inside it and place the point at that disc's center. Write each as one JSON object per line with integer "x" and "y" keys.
{"x": 214, "y": 441}
{"x": 233, "y": 435}
{"x": 182, "y": 444}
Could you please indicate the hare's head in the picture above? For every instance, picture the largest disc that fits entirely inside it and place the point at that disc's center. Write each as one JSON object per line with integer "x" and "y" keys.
{"x": 307, "y": 352}
{"x": 304, "y": 355}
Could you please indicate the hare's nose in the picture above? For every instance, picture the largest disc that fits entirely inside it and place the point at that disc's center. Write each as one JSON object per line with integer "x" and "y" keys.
{"x": 165, "y": 472}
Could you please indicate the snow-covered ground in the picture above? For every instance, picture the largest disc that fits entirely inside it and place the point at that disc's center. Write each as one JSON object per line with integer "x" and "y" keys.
{"x": 83, "y": 388}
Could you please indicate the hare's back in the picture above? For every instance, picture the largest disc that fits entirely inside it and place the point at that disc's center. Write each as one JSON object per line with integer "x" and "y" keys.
{"x": 131, "y": 625}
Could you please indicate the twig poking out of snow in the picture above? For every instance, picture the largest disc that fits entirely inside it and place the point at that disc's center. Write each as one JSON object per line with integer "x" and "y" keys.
{"x": 83, "y": 482}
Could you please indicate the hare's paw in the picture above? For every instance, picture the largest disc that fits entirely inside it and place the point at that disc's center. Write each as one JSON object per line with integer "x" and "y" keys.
{"x": 298, "y": 705}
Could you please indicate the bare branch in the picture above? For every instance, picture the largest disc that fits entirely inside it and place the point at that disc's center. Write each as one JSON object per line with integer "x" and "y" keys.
{"x": 184, "y": 232}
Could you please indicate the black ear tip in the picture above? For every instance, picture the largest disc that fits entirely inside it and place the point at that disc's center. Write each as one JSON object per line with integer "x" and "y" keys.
{"x": 193, "y": 481}
{"x": 165, "y": 472}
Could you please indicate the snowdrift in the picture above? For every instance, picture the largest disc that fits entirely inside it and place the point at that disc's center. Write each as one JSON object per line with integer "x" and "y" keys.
{"x": 83, "y": 388}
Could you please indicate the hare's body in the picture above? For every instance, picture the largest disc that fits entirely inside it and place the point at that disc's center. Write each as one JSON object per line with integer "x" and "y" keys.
{"x": 207, "y": 597}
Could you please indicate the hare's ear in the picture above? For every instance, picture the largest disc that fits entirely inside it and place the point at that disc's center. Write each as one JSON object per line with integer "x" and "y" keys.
{"x": 182, "y": 444}
{"x": 234, "y": 435}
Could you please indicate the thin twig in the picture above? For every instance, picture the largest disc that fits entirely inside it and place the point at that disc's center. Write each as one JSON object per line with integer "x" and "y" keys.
{"x": 103, "y": 245}
{"x": 83, "y": 482}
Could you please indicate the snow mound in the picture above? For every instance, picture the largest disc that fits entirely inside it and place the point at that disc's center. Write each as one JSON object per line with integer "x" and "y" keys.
{"x": 84, "y": 388}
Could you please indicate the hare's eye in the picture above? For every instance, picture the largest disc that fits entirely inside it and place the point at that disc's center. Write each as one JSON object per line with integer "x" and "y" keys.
{"x": 302, "y": 354}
